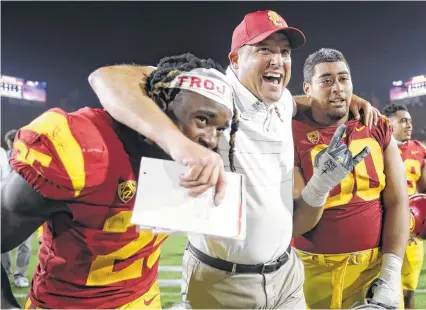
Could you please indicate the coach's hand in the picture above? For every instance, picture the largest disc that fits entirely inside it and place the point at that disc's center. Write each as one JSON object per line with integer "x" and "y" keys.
{"x": 371, "y": 114}
{"x": 205, "y": 169}
{"x": 332, "y": 165}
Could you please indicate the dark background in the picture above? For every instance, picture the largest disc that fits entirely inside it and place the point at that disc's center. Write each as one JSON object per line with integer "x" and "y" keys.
{"x": 62, "y": 42}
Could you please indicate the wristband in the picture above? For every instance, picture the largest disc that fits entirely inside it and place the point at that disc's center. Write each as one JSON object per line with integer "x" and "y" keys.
{"x": 313, "y": 197}
{"x": 390, "y": 270}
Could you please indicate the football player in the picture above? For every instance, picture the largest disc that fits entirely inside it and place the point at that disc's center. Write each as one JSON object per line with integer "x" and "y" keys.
{"x": 76, "y": 173}
{"x": 351, "y": 253}
{"x": 413, "y": 155}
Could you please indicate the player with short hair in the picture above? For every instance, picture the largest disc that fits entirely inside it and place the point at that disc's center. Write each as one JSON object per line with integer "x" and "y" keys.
{"x": 357, "y": 247}
{"x": 413, "y": 154}
{"x": 77, "y": 172}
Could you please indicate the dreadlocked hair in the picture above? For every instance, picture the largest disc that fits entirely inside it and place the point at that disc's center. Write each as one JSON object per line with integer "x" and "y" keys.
{"x": 168, "y": 68}
{"x": 234, "y": 128}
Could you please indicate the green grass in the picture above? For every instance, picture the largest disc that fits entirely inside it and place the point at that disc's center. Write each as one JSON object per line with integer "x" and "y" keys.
{"x": 172, "y": 251}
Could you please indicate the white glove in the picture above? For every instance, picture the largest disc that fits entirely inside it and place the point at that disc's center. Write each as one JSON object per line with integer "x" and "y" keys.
{"x": 332, "y": 165}
{"x": 385, "y": 291}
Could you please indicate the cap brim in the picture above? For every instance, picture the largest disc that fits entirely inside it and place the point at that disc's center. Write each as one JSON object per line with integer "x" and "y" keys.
{"x": 295, "y": 37}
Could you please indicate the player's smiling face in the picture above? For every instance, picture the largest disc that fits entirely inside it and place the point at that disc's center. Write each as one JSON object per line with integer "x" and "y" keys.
{"x": 265, "y": 68}
{"x": 201, "y": 119}
{"x": 330, "y": 91}
{"x": 402, "y": 125}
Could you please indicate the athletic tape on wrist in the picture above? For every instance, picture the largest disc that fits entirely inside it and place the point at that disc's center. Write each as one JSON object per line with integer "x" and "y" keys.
{"x": 390, "y": 270}
{"x": 312, "y": 196}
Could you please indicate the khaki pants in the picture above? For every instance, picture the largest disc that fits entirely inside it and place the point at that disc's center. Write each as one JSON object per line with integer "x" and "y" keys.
{"x": 205, "y": 287}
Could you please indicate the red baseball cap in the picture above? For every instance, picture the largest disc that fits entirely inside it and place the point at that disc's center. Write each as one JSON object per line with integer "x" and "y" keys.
{"x": 257, "y": 26}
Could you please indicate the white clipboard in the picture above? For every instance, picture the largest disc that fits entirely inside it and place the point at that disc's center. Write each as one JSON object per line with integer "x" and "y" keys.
{"x": 163, "y": 205}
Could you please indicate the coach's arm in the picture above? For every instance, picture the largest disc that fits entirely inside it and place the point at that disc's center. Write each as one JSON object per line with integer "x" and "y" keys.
{"x": 23, "y": 210}
{"x": 121, "y": 92}
{"x": 371, "y": 114}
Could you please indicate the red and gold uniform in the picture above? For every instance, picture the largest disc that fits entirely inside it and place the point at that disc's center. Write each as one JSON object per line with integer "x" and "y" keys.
{"x": 413, "y": 154}
{"x": 93, "y": 258}
{"x": 341, "y": 254}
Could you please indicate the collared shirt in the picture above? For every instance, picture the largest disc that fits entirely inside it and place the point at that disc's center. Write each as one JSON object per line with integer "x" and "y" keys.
{"x": 264, "y": 154}
{"x": 4, "y": 164}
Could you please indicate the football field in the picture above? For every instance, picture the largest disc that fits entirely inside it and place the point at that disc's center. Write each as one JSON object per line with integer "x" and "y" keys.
{"x": 171, "y": 260}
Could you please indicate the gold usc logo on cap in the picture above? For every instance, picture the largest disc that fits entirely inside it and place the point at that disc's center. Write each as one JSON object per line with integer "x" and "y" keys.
{"x": 275, "y": 18}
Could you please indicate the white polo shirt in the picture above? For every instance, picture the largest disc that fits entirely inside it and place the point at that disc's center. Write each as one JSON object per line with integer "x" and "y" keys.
{"x": 264, "y": 154}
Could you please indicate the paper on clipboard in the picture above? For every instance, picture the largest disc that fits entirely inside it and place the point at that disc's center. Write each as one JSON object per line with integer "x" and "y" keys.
{"x": 162, "y": 204}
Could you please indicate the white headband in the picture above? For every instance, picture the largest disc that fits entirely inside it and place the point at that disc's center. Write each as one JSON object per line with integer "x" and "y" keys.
{"x": 207, "y": 82}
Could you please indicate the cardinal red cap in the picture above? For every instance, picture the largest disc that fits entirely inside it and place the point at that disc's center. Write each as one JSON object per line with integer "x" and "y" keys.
{"x": 257, "y": 26}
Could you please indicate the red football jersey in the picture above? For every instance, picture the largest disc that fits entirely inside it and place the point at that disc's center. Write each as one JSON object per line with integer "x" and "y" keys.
{"x": 413, "y": 154}
{"x": 96, "y": 259}
{"x": 352, "y": 218}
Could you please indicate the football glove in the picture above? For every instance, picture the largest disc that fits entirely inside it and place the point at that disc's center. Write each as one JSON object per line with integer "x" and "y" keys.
{"x": 332, "y": 165}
